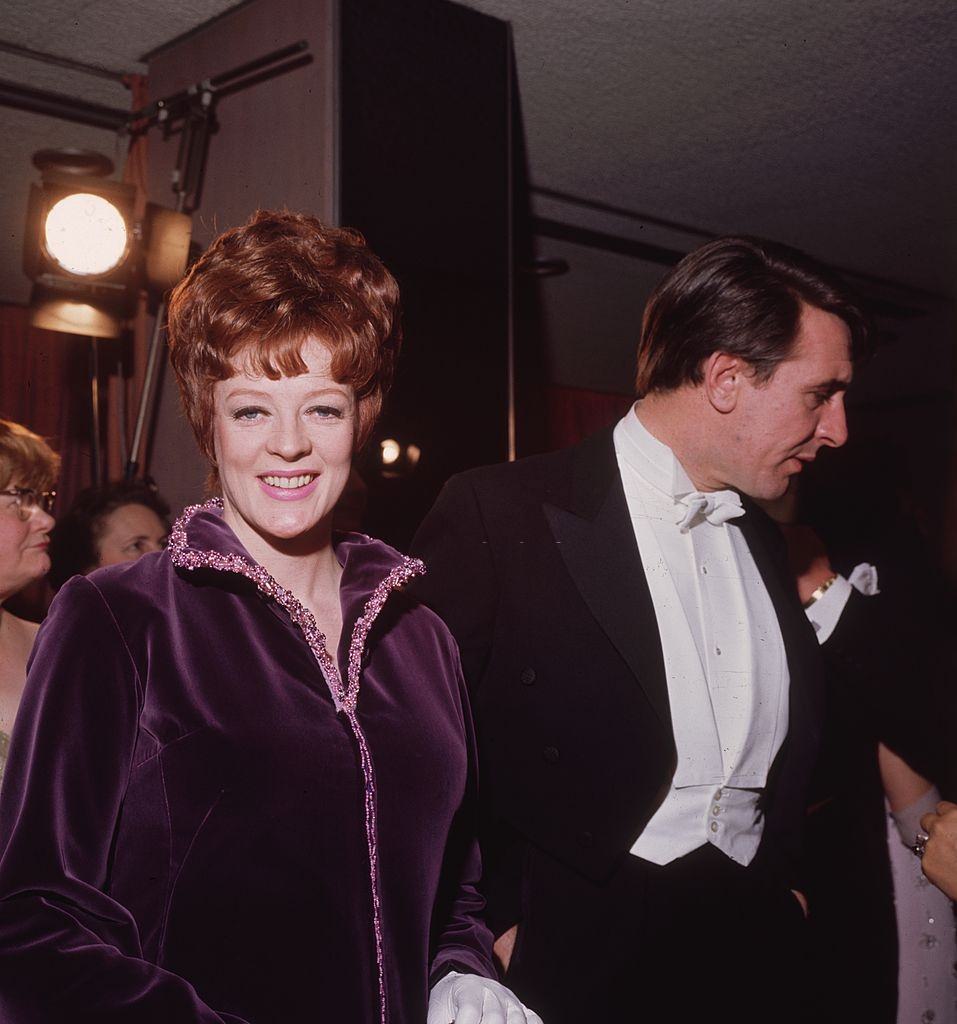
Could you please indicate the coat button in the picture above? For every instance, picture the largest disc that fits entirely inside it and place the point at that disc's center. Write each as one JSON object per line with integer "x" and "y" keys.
{"x": 550, "y": 754}
{"x": 527, "y": 676}
{"x": 586, "y": 839}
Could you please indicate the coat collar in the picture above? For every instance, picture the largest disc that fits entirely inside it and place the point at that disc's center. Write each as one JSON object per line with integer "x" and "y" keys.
{"x": 371, "y": 571}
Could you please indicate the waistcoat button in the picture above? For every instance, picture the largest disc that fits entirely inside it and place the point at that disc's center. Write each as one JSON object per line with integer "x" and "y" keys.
{"x": 527, "y": 676}
{"x": 550, "y": 754}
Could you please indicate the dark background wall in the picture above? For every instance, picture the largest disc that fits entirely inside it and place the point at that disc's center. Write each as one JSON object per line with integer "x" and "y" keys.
{"x": 425, "y": 174}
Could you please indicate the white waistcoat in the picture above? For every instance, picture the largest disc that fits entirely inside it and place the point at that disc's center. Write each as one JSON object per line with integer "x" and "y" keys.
{"x": 724, "y": 658}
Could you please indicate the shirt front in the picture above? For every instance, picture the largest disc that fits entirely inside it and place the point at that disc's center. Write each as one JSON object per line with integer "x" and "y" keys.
{"x": 724, "y": 657}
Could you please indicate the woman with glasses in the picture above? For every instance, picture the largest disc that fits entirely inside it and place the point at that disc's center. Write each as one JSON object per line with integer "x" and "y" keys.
{"x": 28, "y": 469}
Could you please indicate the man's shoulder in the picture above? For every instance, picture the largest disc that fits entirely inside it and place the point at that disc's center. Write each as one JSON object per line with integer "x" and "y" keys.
{"x": 537, "y": 476}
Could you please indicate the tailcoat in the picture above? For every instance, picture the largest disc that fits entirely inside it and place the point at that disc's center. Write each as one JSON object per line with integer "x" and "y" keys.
{"x": 208, "y": 819}
{"x": 535, "y": 567}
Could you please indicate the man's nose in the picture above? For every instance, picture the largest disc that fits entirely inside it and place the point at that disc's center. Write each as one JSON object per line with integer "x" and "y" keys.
{"x": 832, "y": 428}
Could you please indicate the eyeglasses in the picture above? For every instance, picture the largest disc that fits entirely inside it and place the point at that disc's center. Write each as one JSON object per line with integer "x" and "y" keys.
{"x": 26, "y": 500}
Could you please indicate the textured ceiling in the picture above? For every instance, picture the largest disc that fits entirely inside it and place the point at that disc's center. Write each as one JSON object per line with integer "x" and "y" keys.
{"x": 112, "y": 34}
{"x": 827, "y": 125}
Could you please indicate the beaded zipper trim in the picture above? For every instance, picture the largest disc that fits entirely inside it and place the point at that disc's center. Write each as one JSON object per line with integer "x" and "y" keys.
{"x": 344, "y": 697}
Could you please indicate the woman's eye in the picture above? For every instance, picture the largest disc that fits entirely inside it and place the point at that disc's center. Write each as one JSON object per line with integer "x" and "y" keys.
{"x": 249, "y": 412}
{"x": 327, "y": 411}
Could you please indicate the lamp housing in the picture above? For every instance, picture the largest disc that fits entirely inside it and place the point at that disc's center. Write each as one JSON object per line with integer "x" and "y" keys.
{"x": 88, "y": 256}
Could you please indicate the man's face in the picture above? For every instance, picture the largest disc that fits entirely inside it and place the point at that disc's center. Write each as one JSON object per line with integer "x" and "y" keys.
{"x": 780, "y": 425}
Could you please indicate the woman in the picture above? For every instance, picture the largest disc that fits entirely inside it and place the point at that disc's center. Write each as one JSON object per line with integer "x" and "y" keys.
{"x": 246, "y": 792}
{"x": 28, "y": 470}
{"x": 107, "y": 525}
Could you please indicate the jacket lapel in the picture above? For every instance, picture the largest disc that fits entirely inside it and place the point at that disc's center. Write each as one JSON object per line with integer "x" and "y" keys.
{"x": 803, "y": 653}
{"x": 597, "y": 543}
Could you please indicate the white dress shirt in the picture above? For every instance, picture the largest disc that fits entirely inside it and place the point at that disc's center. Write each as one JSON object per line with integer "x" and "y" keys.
{"x": 724, "y": 658}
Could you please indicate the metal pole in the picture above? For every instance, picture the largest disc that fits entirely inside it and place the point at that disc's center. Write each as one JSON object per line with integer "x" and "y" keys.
{"x": 95, "y": 411}
{"x": 134, "y": 460}
{"x": 132, "y": 464}
{"x": 55, "y": 104}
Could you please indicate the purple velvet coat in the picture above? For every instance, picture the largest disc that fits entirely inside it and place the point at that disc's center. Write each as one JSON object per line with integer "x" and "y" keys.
{"x": 200, "y": 825}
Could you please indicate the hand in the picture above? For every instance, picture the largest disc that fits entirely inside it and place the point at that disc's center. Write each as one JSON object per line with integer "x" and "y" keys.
{"x": 808, "y": 559}
{"x": 470, "y": 999}
{"x": 939, "y": 862}
{"x": 505, "y": 946}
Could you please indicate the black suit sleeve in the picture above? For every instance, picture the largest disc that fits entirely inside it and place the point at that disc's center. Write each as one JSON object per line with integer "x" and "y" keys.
{"x": 883, "y": 673}
{"x": 460, "y": 582}
{"x": 462, "y": 586}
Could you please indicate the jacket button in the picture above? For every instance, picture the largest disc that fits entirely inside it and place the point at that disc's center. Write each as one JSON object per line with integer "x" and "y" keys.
{"x": 586, "y": 839}
{"x": 527, "y": 676}
{"x": 550, "y": 754}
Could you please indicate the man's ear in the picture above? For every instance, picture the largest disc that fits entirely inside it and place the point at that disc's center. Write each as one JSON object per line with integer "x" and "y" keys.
{"x": 723, "y": 379}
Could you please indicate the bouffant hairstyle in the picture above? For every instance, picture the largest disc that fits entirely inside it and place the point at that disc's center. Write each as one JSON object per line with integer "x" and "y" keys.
{"x": 261, "y": 290}
{"x": 743, "y": 296}
{"x": 75, "y": 540}
{"x": 26, "y": 459}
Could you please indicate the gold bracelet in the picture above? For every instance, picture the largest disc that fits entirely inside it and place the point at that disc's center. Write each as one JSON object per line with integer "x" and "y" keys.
{"x": 821, "y": 590}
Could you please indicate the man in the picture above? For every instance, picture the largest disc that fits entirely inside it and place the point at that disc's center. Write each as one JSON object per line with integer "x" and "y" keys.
{"x": 645, "y": 685}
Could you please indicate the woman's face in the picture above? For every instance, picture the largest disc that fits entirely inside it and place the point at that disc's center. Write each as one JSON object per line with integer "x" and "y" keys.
{"x": 128, "y": 532}
{"x": 23, "y": 544}
{"x": 283, "y": 449}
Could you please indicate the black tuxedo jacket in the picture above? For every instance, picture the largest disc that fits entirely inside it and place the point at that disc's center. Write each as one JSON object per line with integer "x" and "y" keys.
{"x": 535, "y": 568}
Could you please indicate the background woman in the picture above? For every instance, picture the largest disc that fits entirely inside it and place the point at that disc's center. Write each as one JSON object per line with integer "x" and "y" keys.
{"x": 107, "y": 525}
{"x": 247, "y": 791}
{"x": 28, "y": 470}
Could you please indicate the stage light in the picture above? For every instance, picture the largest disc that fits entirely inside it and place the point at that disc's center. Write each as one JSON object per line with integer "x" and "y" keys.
{"x": 86, "y": 234}
{"x": 86, "y": 251}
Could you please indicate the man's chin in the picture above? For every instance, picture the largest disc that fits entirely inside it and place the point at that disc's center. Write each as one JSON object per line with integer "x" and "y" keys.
{"x": 771, "y": 490}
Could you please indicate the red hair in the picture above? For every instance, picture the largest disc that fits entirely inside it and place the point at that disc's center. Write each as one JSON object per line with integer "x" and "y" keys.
{"x": 261, "y": 290}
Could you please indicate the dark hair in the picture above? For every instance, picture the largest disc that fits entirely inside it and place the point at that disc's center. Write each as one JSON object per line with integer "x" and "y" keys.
{"x": 737, "y": 295}
{"x": 261, "y": 290}
{"x": 74, "y": 542}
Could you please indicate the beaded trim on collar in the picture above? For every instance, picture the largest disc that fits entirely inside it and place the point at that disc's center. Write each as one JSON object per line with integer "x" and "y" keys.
{"x": 345, "y": 697}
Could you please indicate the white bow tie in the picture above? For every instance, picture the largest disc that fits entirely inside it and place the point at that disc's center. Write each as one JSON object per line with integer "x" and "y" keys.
{"x": 716, "y": 507}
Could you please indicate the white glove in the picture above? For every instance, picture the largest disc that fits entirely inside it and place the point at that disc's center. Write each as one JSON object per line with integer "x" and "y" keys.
{"x": 470, "y": 999}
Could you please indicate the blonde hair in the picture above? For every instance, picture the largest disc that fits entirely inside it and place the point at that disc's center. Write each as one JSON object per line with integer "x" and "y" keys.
{"x": 26, "y": 458}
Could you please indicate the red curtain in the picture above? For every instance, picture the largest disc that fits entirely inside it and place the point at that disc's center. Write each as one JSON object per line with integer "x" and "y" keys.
{"x": 44, "y": 384}
{"x": 575, "y": 413}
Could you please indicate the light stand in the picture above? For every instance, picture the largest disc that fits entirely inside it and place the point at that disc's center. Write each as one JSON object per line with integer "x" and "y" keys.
{"x": 95, "y": 455}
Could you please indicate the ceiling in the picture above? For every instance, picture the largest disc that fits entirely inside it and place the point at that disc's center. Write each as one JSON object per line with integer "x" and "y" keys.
{"x": 827, "y": 125}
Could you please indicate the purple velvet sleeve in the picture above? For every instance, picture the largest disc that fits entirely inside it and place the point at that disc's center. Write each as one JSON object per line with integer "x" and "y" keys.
{"x": 463, "y": 942}
{"x": 68, "y": 951}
